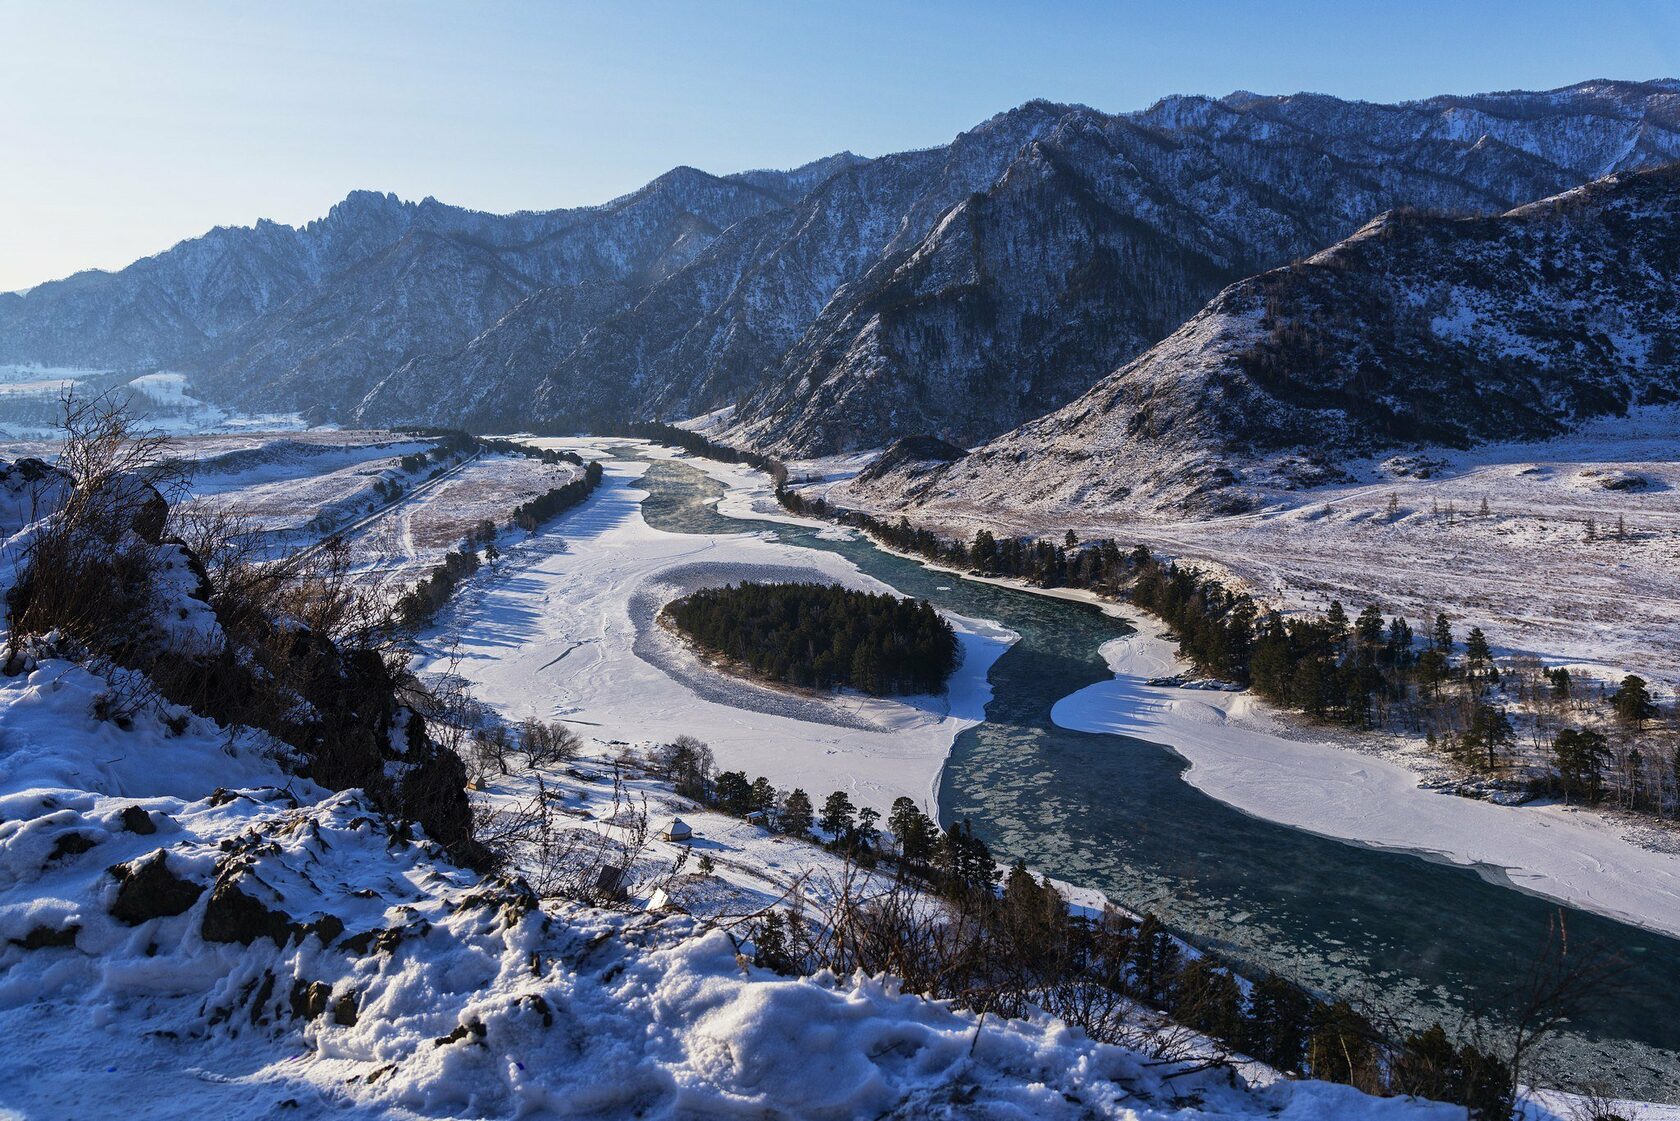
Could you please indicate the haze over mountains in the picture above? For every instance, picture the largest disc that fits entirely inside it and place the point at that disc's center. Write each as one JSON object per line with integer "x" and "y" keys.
{"x": 955, "y": 292}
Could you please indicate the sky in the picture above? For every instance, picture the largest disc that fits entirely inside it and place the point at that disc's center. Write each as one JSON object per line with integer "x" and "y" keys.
{"x": 127, "y": 127}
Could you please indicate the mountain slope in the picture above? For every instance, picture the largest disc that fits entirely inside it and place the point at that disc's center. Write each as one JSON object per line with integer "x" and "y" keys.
{"x": 1416, "y": 331}
{"x": 311, "y": 318}
{"x": 956, "y": 291}
{"x": 1106, "y": 232}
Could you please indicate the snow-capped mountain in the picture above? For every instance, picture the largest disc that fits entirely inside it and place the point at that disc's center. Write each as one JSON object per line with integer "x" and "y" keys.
{"x": 956, "y": 291}
{"x": 315, "y": 316}
{"x": 1103, "y": 233}
{"x": 1418, "y": 330}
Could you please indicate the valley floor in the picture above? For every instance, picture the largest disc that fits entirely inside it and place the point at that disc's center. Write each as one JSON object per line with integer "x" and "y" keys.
{"x": 1281, "y": 768}
{"x": 1530, "y": 572}
{"x": 1249, "y": 756}
{"x": 566, "y": 631}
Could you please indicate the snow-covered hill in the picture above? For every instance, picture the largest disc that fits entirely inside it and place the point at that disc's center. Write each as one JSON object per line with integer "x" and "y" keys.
{"x": 1417, "y": 331}
{"x": 184, "y": 927}
{"x": 200, "y": 914}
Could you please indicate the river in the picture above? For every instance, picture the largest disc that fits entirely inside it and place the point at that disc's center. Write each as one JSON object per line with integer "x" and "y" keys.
{"x": 1420, "y": 939}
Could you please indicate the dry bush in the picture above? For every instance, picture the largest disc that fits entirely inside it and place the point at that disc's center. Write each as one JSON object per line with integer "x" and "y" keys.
{"x": 89, "y": 570}
{"x": 548, "y": 744}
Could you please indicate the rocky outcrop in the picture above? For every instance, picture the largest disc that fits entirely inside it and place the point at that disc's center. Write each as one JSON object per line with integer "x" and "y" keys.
{"x": 148, "y": 889}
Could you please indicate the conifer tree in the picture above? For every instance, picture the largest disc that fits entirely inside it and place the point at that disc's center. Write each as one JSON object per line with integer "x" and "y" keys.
{"x": 1581, "y": 755}
{"x": 916, "y": 833}
{"x": 837, "y": 820}
{"x": 1633, "y": 702}
{"x": 795, "y": 816}
{"x": 1478, "y": 655}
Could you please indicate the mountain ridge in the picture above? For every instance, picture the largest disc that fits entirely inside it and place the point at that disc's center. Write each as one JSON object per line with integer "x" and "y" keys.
{"x": 958, "y": 290}
{"x": 1417, "y": 331}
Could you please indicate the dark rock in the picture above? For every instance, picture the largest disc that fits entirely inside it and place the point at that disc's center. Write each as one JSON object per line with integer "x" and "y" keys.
{"x": 71, "y": 844}
{"x": 472, "y": 1028}
{"x": 137, "y": 820}
{"x": 149, "y": 890}
{"x": 232, "y": 915}
{"x": 345, "y": 1009}
{"x": 309, "y": 999}
{"x": 259, "y": 1005}
{"x": 327, "y": 928}
{"x": 46, "y": 937}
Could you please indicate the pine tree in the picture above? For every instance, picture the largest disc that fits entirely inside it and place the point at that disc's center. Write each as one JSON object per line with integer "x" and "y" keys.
{"x": 837, "y": 820}
{"x": 1581, "y": 755}
{"x": 1633, "y": 701}
{"x": 915, "y": 831}
{"x": 1336, "y": 623}
{"x": 1560, "y": 682}
{"x": 1476, "y": 650}
{"x": 1369, "y": 627}
{"x": 795, "y": 817}
{"x": 1279, "y": 1020}
{"x": 866, "y": 833}
{"x": 1441, "y": 638}
{"x": 733, "y": 793}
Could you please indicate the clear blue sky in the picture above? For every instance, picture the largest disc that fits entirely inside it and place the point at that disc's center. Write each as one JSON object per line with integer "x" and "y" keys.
{"x": 127, "y": 126}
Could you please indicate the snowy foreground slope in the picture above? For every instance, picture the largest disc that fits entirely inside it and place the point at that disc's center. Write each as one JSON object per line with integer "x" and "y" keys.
{"x": 188, "y": 927}
{"x": 296, "y": 954}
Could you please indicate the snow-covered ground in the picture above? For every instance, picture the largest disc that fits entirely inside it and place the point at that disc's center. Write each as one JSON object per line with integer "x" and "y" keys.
{"x": 1250, "y": 757}
{"x": 561, "y": 1010}
{"x": 1527, "y": 572}
{"x": 444, "y": 995}
{"x": 556, "y": 634}
{"x": 1244, "y": 754}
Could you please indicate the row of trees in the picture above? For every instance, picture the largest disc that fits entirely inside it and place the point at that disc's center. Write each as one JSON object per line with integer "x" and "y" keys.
{"x": 822, "y": 636}
{"x": 1006, "y": 942}
{"x": 420, "y": 603}
{"x": 529, "y": 515}
{"x": 1364, "y": 671}
{"x": 695, "y": 444}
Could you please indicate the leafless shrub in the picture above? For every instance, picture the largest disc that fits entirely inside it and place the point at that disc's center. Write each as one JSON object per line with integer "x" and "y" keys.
{"x": 548, "y": 744}
{"x": 89, "y": 569}
{"x": 491, "y": 747}
{"x": 1595, "y": 1102}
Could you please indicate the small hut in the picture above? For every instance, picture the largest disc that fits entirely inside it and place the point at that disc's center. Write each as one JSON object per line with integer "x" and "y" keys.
{"x": 677, "y": 830}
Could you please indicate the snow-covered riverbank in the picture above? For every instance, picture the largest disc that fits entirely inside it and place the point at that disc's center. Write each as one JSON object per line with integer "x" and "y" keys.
{"x": 557, "y": 634}
{"x": 1261, "y": 763}
{"x": 1246, "y": 756}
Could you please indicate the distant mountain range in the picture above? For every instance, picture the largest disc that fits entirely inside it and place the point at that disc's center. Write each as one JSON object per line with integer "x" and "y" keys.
{"x": 1418, "y": 330}
{"x": 955, "y": 292}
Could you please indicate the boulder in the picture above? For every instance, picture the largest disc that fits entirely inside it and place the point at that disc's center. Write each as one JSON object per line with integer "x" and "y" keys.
{"x": 149, "y": 890}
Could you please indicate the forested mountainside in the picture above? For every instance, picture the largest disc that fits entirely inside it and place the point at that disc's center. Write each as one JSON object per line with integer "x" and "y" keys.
{"x": 1105, "y": 233}
{"x": 1418, "y": 330}
{"x": 955, "y": 291}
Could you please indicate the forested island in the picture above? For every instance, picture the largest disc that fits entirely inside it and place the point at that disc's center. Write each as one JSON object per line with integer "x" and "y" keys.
{"x": 821, "y": 636}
